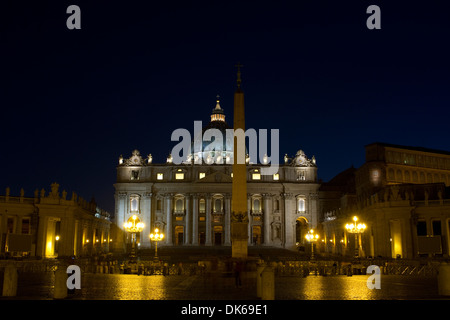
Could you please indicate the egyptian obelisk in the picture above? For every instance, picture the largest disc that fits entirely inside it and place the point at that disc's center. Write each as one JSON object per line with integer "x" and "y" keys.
{"x": 239, "y": 210}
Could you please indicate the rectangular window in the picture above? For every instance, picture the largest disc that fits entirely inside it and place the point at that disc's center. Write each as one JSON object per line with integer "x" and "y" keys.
{"x": 201, "y": 207}
{"x": 301, "y": 205}
{"x": 179, "y": 176}
{"x": 421, "y": 228}
{"x": 134, "y": 175}
{"x": 10, "y": 225}
{"x": 201, "y": 218}
{"x": 178, "y": 218}
{"x": 159, "y": 176}
{"x": 436, "y": 224}
{"x": 301, "y": 175}
{"x": 276, "y": 176}
{"x": 201, "y": 175}
{"x": 256, "y": 176}
{"x": 26, "y": 226}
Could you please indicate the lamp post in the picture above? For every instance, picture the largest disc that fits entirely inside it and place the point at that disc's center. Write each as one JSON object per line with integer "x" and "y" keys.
{"x": 156, "y": 236}
{"x": 356, "y": 229}
{"x": 133, "y": 227}
{"x": 312, "y": 237}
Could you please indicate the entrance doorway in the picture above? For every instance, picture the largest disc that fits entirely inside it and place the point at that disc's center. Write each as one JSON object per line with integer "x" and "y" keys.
{"x": 202, "y": 238}
{"x": 218, "y": 235}
{"x": 301, "y": 229}
{"x": 256, "y": 235}
{"x": 179, "y": 235}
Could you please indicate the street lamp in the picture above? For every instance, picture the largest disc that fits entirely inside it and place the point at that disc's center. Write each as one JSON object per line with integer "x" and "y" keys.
{"x": 312, "y": 237}
{"x": 356, "y": 229}
{"x": 134, "y": 226}
{"x": 156, "y": 237}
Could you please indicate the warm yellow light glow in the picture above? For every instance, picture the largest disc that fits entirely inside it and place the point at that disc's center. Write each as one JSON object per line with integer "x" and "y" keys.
{"x": 201, "y": 175}
{"x": 311, "y": 236}
{"x": 87, "y": 240}
{"x": 159, "y": 176}
{"x": 57, "y": 238}
{"x": 355, "y": 228}
{"x": 256, "y": 176}
{"x": 156, "y": 236}
{"x": 276, "y": 176}
{"x": 179, "y": 176}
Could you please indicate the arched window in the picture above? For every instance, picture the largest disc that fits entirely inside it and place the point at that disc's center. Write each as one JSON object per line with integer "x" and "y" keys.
{"x": 422, "y": 177}
{"x": 179, "y": 205}
{"x": 218, "y": 205}
{"x": 391, "y": 175}
{"x": 301, "y": 205}
{"x": 256, "y": 205}
{"x": 399, "y": 176}
{"x": 134, "y": 203}
{"x": 407, "y": 176}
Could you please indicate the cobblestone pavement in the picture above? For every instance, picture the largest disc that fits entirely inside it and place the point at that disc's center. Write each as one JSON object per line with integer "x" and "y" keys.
{"x": 215, "y": 287}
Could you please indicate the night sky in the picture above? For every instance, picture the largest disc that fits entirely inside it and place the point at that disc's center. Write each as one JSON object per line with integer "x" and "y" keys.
{"x": 73, "y": 101}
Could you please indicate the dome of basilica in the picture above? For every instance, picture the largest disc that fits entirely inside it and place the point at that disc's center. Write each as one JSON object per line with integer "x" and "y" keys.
{"x": 219, "y": 149}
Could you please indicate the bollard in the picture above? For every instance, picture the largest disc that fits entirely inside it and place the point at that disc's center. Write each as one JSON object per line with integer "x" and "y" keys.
{"x": 259, "y": 271}
{"x": 60, "y": 291}
{"x": 444, "y": 279}
{"x": 10, "y": 281}
{"x": 268, "y": 284}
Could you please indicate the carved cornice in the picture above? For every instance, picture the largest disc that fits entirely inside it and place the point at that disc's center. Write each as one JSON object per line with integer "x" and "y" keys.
{"x": 122, "y": 194}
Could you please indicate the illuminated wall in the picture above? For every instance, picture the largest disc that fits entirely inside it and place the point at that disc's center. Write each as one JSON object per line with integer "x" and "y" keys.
{"x": 396, "y": 238}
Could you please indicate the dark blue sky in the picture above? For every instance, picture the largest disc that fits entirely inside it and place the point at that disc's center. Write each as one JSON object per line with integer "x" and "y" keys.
{"x": 72, "y": 101}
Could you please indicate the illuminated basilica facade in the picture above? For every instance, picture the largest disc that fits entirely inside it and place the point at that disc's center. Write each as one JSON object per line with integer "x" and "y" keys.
{"x": 190, "y": 202}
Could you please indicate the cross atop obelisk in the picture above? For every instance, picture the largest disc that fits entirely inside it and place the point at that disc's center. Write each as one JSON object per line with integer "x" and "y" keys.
{"x": 239, "y": 80}
{"x": 239, "y": 210}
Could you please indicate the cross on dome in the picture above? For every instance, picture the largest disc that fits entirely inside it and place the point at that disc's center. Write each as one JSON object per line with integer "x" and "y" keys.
{"x": 217, "y": 113}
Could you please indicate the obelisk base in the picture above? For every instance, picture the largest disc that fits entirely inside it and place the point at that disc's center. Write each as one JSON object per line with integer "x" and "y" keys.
{"x": 239, "y": 240}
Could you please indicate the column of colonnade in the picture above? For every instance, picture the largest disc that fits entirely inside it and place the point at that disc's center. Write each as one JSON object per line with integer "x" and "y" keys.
{"x": 191, "y": 221}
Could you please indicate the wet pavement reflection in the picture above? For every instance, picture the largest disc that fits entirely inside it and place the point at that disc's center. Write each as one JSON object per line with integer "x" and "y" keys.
{"x": 216, "y": 287}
